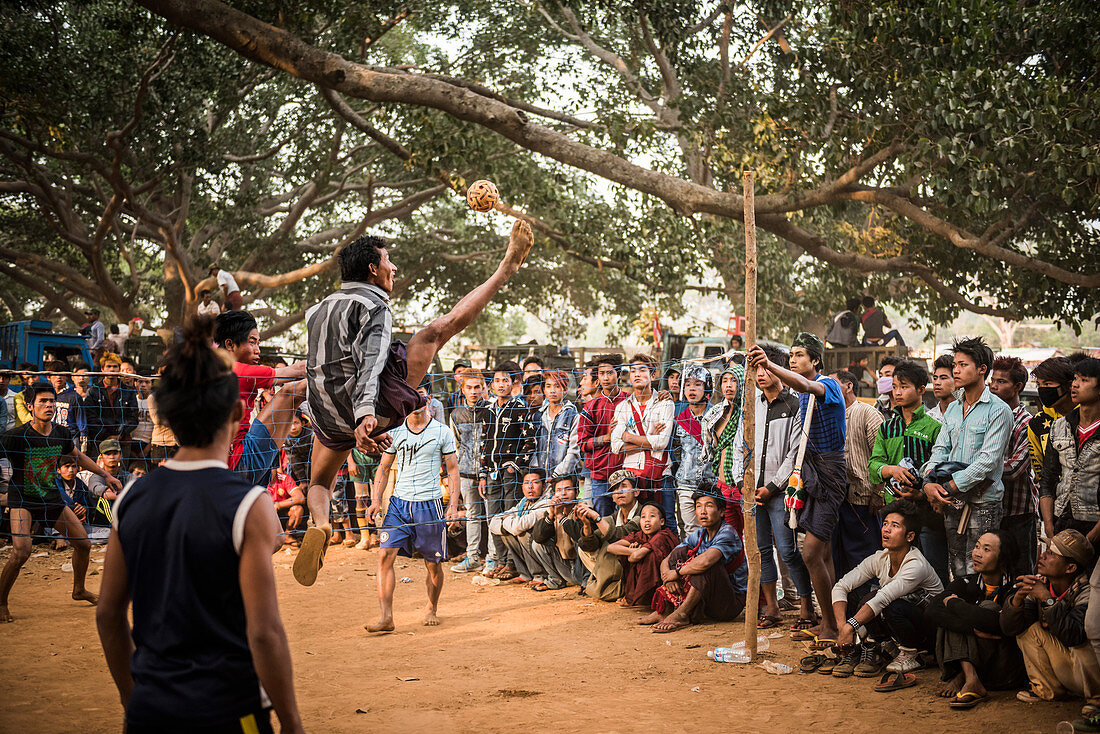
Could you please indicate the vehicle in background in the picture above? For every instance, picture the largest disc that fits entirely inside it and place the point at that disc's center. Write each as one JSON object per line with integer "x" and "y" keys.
{"x": 36, "y": 342}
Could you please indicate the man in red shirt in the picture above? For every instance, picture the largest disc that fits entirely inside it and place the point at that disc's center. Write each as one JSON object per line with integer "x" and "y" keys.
{"x": 256, "y": 444}
{"x": 594, "y": 433}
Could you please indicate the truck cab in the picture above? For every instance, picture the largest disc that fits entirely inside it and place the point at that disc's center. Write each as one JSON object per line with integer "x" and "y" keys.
{"x": 36, "y": 342}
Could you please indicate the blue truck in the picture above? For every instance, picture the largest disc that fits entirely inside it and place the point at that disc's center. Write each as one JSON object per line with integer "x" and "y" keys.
{"x": 36, "y": 342}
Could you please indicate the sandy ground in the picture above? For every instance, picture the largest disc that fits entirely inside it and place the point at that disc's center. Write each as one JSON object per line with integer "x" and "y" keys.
{"x": 504, "y": 660}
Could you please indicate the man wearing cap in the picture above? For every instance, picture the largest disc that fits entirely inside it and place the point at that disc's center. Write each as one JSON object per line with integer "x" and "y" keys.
{"x": 96, "y": 332}
{"x": 110, "y": 460}
{"x": 594, "y": 533}
{"x": 1047, "y": 617}
{"x": 228, "y": 285}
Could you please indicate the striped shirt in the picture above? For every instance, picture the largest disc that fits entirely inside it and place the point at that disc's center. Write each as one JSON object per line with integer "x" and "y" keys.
{"x": 349, "y": 337}
{"x": 1021, "y": 490}
{"x": 859, "y": 440}
{"x": 896, "y": 441}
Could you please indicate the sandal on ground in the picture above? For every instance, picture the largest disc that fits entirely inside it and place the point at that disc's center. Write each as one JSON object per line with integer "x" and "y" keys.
{"x": 810, "y": 663}
{"x": 895, "y": 682}
{"x": 802, "y": 636}
{"x": 520, "y": 581}
{"x": 827, "y": 665}
{"x": 967, "y": 700}
{"x": 767, "y": 622}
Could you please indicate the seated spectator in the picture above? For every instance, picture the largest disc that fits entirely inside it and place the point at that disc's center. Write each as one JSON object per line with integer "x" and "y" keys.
{"x": 110, "y": 460}
{"x": 875, "y": 323}
{"x": 289, "y": 501}
{"x": 207, "y": 306}
{"x": 895, "y": 607}
{"x": 843, "y": 330}
{"x": 704, "y": 576}
{"x": 594, "y": 533}
{"x": 552, "y": 543}
{"x": 514, "y": 527}
{"x": 973, "y": 654}
{"x": 73, "y": 489}
{"x": 1047, "y": 617}
{"x": 641, "y": 554}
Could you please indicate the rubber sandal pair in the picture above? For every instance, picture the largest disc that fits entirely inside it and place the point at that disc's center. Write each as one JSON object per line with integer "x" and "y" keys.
{"x": 766, "y": 622}
{"x": 810, "y": 663}
{"x": 539, "y": 586}
{"x": 895, "y": 682}
{"x": 826, "y": 667}
{"x": 967, "y": 700}
{"x": 822, "y": 643}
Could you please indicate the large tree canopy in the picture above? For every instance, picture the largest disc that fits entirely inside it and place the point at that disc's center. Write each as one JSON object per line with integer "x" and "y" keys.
{"x": 943, "y": 154}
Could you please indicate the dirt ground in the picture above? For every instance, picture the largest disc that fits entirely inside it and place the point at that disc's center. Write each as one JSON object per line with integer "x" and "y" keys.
{"x": 504, "y": 660}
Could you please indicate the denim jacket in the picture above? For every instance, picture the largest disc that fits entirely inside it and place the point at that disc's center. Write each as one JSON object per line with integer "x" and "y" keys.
{"x": 558, "y": 449}
{"x": 468, "y": 424}
{"x": 977, "y": 440}
{"x": 689, "y": 450}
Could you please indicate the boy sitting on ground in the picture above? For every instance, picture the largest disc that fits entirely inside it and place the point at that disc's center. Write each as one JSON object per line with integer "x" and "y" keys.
{"x": 514, "y": 528}
{"x": 551, "y": 542}
{"x": 595, "y": 533}
{"x": 641, "y": 554}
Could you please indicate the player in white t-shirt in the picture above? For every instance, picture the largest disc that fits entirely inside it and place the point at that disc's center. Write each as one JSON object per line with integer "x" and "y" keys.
{"x": 414, "y": 518}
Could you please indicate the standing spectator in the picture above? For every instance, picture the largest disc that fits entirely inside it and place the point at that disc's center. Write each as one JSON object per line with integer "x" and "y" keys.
{"x": 858, "y": 531}
{"x": 207, "y": 306}
{"x": 557, "y": 451}
{"x": 534, "y": 396}
{"x": 231, "y": 293}
{"x": 361, "y": 470}
{"x": 469, "y": 422}
{"x": 725, "y": 438}
{"x": 111, "y": 406}
{"x": 1021, "y": 501}
{"x": 588, "y": 387}
{"x": 689, "y": 442}
{"x": 972, "y": 443}
{"x": 97, "y": 333}
{"x": 642, "y": 430}
{"x": 162, "y": 442}
{"x": 70, "y": 403}
{"x": 885, "y": 385}
{"x": 843, "y": 331}
{"x": 874, "y": 323}
{"x": 858, "y": 367}
{"x": 142, "y": 436}
{"x": 435, "y": 405}
{"x": 1053, "y": 378}
{"x": 778, "y": 430}
{"x": 824, "y": 471}
{"x": 1047, "y": 617}
{"x": 459, "y": 370}
{"x": 505, "y": 454}
{"x": 19, "y": 403}
{"x": 594, "y": 429}
{"x": 1071, "y": 465}
{"x": 943, "y": 385}
{"x": 902, "y": 445}
{"x": 7, "y": 397}
{"x": 532, "y": 365}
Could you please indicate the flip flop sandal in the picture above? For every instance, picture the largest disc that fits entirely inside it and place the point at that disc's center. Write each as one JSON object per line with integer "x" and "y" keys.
{"x": 803, "y": 624}
{"x": 822, "y": 643}
{"x": 803, "y": 635}
{"x": 967, "y": 700}
{"x": 311, "y": 556}
{"x": 767, "y": 622}
{"x": 827, "y": 665}
{"x": 540, "y": 587}
{"x": 810, "y": 663}
{"x": 895, "y": 682}
{"x": 519, "y": 580}
{"x": 670, "y": 629}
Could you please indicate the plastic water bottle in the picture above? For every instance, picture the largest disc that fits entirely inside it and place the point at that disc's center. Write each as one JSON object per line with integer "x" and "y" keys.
{"x": 776, "y": 668}
{"x": 1065, "y": 727}
{"x": 721, "y": 655}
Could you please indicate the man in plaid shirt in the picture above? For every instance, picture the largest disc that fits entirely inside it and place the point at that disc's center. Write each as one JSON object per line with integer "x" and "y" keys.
{"x": 1021, "y": 500}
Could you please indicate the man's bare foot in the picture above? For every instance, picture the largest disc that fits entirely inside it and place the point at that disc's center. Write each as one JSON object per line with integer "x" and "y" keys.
{"x": 651, "y": 619}
{"x": 384, "y": 624}
{"x": 311, "y": 556}
{"x": 672, "y": 622}
{"x": 519, "y": 245}
{"x": 87, "y": 596}
{"x": 5, "y": 615}
{"x": 951, "y": 687}
{"x": 430, "y": 619}
{"x": 976, "y": 688}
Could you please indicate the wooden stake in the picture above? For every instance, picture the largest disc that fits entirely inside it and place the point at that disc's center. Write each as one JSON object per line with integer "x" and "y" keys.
{"x": 748, "y": 488}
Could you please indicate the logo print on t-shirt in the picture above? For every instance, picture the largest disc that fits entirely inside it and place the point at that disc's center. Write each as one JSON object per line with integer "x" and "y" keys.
{"x": 39, "y": 470}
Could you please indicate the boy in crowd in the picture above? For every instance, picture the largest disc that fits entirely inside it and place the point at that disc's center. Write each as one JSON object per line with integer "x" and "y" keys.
{"x": 289, "y": 502}
{"x": 643, "y": 427}
{"x": 70, "y": 412}
{"x": 33, "y": 449}
{"x": 414, "y": 519}
{"x": 1046, "y": 615}
{"x": 975, "y": 434}
{"x": 468, "y": 422}
{"x": 110, "y": 461}
{"x": 1071, "y": 465}
{"x": 907, "y": 437}
{"x": 257, "y": 443}
{"x": 1021, "y": 499}
{"x": 505, "y": 454}
{"x": 641, "y": 553}
{"x": 515, "y": 529}
{"x": 826, "y": 477}
{"x": 1053, "y": 378}
{"x": 74, "y": 490}
{"x": 885, "y": 384}
{"x": 778, "y": 430}
{"x": 895, "y": 609}
{"x": 557, "y": 453}
{"x": 688, "y": 440}
{"x": 970, "y": 648}
{"x": 110, "y": 407}
{"x": 531, "y": 366}
{"x": 594, "y": 432}
{"x": 704, "y": 576}
{"x": 943, "y": 385}
{"x": 857, "y": 534}
{"x": 594, "y": 533}
{"x": 142, "y": 435}
{"x": 552, "y": 543}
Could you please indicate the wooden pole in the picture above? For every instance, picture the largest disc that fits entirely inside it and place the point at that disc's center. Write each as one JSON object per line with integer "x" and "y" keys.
{"x": 748, "y": 488}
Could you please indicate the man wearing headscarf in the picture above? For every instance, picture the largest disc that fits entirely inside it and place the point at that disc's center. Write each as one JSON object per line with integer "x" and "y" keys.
{"x": 725, "y": 441}
{"x": 687, "y": 438}
{"x": 824, "y": 472}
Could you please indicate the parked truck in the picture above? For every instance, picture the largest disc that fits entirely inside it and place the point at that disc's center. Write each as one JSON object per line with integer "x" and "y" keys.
{"x": 37, "y": 343}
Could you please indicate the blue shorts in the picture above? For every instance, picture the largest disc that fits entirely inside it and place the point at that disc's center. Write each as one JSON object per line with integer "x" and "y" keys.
{"x": 416, "y": 526}
{"x": 258, "y": 455}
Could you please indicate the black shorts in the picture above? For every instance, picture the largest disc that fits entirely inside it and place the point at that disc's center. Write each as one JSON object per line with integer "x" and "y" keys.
{"x": 257, "y": 721}
{"x": 47, "y": 513}
{"x": 827, "y": 488}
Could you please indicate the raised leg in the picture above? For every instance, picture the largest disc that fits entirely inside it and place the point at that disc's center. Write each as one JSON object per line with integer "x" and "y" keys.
{"x": 324, "y": 466}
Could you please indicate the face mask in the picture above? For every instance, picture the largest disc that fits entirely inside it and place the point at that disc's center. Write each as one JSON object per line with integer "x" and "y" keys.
{"x": 885, "y": 384}
{"x": 1048, "y": 396}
